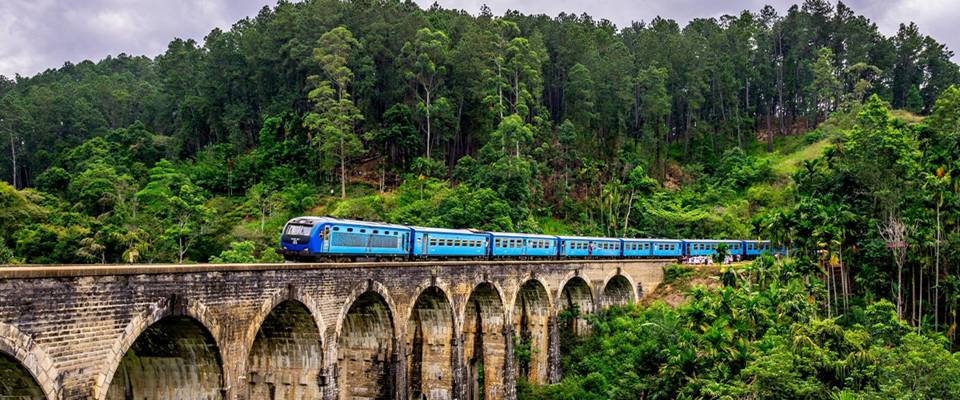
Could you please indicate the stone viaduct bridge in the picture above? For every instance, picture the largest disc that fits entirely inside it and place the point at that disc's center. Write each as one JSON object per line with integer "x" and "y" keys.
{"x": 403, "y": 330}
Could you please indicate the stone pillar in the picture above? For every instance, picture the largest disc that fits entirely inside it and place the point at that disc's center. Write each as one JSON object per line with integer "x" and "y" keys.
{"x": 458, "y": 368}
{"x": 398, "y": 362}
{"x": 553, "y": 354}
{"x": 330, "y": 375}
{"x": 509, "y": 365}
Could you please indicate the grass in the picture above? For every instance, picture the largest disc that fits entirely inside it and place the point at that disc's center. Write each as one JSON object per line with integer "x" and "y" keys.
{"x": 553, "y": 226}
{"x": 786, "y": 165}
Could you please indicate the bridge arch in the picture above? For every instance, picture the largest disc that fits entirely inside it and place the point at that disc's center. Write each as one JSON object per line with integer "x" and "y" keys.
{"x": 430, "y": 337}
{"x": 22, "y": 362}
{"x": 181, "y": 339}
{"x": 531, "y": 318}
{"x": 365, "y": 351}
{"x": 576, "y": 295}
{"x": 484, "y": 317}
{"x": 286, "y": 352}
{"x": 618, "y": 289}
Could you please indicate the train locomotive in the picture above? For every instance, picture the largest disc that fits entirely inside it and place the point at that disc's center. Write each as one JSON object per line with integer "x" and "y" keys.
{"x": 307, "y": 238}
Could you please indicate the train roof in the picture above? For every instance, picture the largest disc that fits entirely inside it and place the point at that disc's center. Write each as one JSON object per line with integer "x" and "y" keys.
{"x": 585, "y": 238}
{"x": 447, "y": 230}
{"x": 652, "y": 240}
{"x": 529, "y": 235}
{"x": 320, "y": 220}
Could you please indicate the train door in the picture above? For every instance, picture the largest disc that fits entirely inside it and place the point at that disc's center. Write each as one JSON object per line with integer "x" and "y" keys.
{"x": 325, "y": 238}
{"x": 366, "y": 249}
{"x": 426, "y": 244}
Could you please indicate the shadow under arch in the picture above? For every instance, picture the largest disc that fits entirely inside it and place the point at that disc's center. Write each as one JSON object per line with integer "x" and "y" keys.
{"x": 183, "y": 315}
{"x": 286, "y": 357}
{"x": 484, "y": 341}
{"x": 26, "y": 357}
{"x": 618, "y": 290}
{"x": 532, "y": 309}
{"x": 429, "y": 338}
{"x": 365, "y": 347}
{"x": 576, "y": 298}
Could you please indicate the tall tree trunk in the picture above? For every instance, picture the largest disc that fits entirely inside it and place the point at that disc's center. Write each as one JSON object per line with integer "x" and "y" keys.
{"x": 428, "y": 123}
{"x": 843, "y": 275}
{"x": 661, "y": 169}
{"x": 626, "y": 220}
{"x": 769, "y": 129}
{"x": 13, "y": 159}
{"x": 936, "y": 274}
{"x": 781, "y": 60}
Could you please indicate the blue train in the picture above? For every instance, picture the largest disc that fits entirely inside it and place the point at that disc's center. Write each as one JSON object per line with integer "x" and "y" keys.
{"x": 324, "y": 238}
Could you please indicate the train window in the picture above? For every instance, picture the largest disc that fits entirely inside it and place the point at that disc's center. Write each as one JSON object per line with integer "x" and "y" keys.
{"x": 336, "y": 228}
{"x": 363, "y": 231}
{"x": 496, "y": 242}
{"x": 375, "y": 232}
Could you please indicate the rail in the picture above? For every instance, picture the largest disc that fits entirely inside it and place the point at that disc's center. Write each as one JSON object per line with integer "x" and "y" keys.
{"x": 35, "y": 271}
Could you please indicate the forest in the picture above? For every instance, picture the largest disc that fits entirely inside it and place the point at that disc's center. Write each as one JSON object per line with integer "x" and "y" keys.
{"x": 806, "y": 126}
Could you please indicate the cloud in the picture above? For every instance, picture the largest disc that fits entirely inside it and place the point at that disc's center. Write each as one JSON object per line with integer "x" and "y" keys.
{"x": 936, "y": 18}
{"x": 40, "y": 34}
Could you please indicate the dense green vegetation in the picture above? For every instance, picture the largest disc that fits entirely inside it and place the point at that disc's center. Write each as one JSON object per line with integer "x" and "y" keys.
{"x": 381, "y": 110}
{"x": 808, "y": 127}
{"x": 762, "y": 336}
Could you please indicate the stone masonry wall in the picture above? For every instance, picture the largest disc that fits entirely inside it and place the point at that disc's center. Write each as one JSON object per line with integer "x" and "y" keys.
{"x": 355, "y": 330}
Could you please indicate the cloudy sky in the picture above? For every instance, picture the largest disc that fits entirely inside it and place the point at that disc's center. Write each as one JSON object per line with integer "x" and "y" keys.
{"x": 40, "y": 34}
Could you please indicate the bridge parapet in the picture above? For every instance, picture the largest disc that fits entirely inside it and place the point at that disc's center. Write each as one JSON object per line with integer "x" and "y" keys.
{"x": 405, "y": 330}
